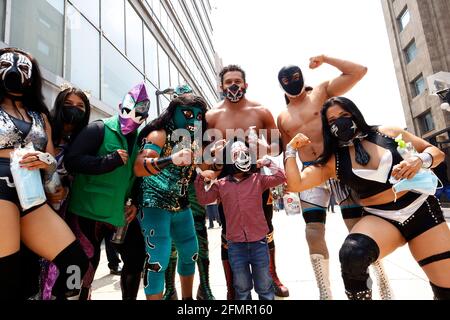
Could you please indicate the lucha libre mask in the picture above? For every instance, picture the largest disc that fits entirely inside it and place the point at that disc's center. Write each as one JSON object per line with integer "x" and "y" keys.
{"x": 291, "y": 80}
{"x": 15, "y": 72}
{"x": 240, "y": 156}
{"x": 188, "y": 117}
{"x": 134, "y": 109}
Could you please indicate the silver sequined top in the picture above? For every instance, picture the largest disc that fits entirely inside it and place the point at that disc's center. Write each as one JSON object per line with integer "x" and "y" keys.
{"x": 11, "y": 136}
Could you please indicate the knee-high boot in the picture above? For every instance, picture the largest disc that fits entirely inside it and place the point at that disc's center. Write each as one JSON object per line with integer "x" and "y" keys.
{"x": 229, "y": 279}
{"x": 10, "y": 278}
{"x": 130, "y": 285}
{"x": 204, "y": 290}
{"x": 171, "y": 290}
{"x": 322, "y": 273}
{"x": 384, "y": 286}
{"x": 280, "y": 289}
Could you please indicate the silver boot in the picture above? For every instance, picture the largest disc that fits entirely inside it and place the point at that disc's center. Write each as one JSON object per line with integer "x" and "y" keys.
{"x": 322, "y": 273}
{"x": 384, "y": 286}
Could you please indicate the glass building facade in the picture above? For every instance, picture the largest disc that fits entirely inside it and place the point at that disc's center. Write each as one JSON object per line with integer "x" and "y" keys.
{"x": 107, "y": 46}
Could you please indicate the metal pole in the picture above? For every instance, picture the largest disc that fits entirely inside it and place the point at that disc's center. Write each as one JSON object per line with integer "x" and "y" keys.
{"x": 157, "y": 102}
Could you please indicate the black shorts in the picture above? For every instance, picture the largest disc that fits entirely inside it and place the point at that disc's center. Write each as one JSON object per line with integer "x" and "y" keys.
{"x": 8, "y": 190}
{"x": 423, "y": 219}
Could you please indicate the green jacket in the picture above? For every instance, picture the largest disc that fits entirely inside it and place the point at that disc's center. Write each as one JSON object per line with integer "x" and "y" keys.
{"x": 103, "y": 197}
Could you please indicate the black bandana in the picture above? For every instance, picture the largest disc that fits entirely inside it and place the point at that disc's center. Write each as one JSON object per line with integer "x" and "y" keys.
{"x": 346, "y": 131}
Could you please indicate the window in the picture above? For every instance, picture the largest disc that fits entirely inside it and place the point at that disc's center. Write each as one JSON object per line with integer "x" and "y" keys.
{"x": 410, "y": 52}
{"x": 90, "y": 9}
{"x": 39, "y": 17}
{"x": 82, "y": 53}
{"x": 135, "y": 44}
{"x": 2, "y": 19}
{"x": 403, "y": 20}
{"x": 164, "y": 102}
{"x": 113, "y": 22}
{"x": 164, "y": 79}
{"x": 426, "y": 122}
{"x": 418, "y": 86}
{"x": 156, "y": 7}
{"x": 119, "y": 76}
{"x": 151, "y": 57}
{"x": 174, "y": 82}
{"x": 153, "y": 112}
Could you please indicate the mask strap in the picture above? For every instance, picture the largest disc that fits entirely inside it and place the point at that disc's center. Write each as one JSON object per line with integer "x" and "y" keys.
{"x": 361, "y": 155}
{"x": 439, "y": 181}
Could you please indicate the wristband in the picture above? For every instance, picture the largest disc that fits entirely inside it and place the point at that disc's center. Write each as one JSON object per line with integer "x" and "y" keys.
{"x": 161, "y": 163}
{"x": 290, "y": 152}
{"x": 427, "y": 159}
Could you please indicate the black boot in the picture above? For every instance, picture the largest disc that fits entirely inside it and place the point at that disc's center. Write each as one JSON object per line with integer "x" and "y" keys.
{"x": 130, "y": 285}
{"x": 361, "y": 295}
{"x": 10, "y": 278}
{"x": 204, "y": 289}
{"x": 171, "y": 291}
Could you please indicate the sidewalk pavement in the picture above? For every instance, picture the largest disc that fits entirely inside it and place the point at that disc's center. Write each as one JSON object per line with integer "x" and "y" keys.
{"x": 408, "y": 281}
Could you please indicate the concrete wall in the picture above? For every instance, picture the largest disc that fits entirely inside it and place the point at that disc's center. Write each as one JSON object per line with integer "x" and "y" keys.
{"x": 430, "y": 28}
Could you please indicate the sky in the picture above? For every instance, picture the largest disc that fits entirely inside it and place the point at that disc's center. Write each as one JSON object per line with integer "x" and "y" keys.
{"x": 262, "y": 36}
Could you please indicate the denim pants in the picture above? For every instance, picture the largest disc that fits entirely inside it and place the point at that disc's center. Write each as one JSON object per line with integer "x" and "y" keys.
{"x": 212, "y": 211}
{"x": 250, "y": 265}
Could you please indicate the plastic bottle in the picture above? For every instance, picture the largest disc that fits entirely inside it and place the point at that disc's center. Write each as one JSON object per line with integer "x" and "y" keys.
{"x": 121, "y": 232}
{"x": 405, "y": 149}
{"x": 51, "y": 186}
{"x": 292, "y": 204}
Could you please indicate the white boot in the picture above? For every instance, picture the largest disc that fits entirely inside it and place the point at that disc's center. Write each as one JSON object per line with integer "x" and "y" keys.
{"x": 322, "y": 273}
{"x": 384, "y": 286}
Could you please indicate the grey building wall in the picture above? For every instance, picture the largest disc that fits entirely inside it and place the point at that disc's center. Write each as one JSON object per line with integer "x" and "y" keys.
{"x": 429, "y": 27}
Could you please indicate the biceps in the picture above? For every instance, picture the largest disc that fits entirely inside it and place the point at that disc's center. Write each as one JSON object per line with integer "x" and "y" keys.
{"x": 340, "y": 85}
{"x": 313, "y": 177}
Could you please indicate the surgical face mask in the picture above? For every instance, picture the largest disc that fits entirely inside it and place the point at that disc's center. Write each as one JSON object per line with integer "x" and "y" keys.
{"x": 234, "y": 93}
{"x": 344, "y": 128}
{"x": 72, "y": 115}
{"x": 189, "y": 118}
{"x": 291, "y": 80}
{"x": 240, "y": 156}
{"x": 15, "y": 72}
{"x": 425, "y": 182}
{"x": 134, "y": 109}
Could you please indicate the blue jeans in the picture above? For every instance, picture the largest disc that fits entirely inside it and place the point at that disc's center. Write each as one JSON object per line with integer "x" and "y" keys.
{"x": 212, "y": 211}
{"x": 242, "y": 255}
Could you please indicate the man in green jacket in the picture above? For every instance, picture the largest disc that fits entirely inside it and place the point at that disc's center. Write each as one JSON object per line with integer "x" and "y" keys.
{"x": 101, "y": 159}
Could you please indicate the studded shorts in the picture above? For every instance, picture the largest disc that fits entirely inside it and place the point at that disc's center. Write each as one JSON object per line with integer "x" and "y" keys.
{"x": 427, "y": 216}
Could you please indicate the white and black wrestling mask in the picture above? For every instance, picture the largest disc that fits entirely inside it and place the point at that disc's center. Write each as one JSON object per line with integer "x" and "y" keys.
{"x": 291, "y": 80}
{"x": 240, "y": 156}
{"x": 15, "y": 72}
{"x": 234, "y": 93}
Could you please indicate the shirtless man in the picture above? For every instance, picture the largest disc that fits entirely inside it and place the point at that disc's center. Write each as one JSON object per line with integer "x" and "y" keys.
{"x": 236, "y": 112}
{"x": 303, "y": 115}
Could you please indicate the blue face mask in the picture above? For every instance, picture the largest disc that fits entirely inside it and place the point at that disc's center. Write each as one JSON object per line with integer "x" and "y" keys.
{"x": 425, "y": 182}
